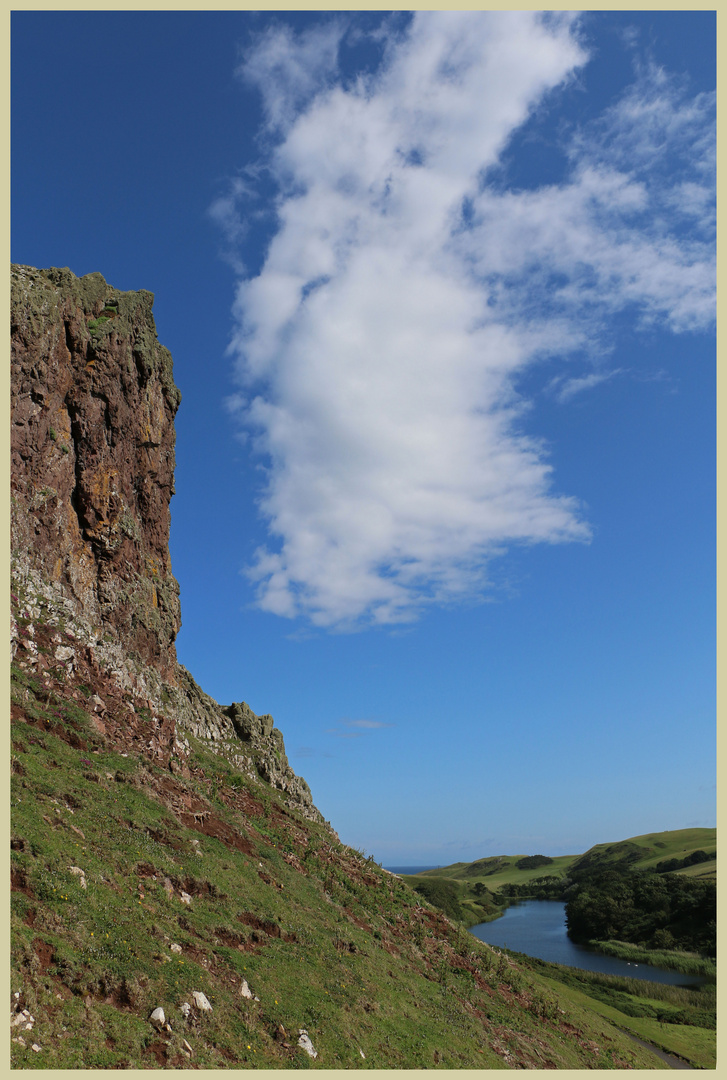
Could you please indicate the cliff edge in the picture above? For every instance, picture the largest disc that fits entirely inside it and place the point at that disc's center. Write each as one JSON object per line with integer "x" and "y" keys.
{"x": 93, "y": 403}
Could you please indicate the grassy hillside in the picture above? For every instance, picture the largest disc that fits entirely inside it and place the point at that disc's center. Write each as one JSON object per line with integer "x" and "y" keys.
{"x": 638, "y": 852}
{"x": 134, "y": 888}
{"x": 646, "y": 852}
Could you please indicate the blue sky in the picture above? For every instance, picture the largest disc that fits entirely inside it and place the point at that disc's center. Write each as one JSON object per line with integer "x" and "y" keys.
{"x": 439, "y": 290}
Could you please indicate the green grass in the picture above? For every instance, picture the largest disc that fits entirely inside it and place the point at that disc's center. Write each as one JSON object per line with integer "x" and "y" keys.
{"x": 326, "y": 939}
{"x": 671, "y": 959}
{"x": 695, "y": 1045}
{"x": 679, "y": 1020}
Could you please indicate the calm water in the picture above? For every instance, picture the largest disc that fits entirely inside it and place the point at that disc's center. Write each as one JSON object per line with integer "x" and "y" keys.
{"x": 537, "y": 928}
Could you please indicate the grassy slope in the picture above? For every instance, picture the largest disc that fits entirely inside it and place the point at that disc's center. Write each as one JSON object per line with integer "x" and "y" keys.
{"x": 696, "y": 1045}
{"x": 498, "y": 870}
{"x": 326, "y": 940}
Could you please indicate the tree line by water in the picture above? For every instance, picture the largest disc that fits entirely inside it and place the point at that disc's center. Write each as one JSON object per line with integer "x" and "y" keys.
{"x": 652, "y": 910}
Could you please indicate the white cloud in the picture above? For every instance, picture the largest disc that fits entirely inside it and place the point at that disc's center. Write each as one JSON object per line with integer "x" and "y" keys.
{"x": 565, "y": 389}
{"x": 367, "y": 723}
{"x": 290, "y": 69}
{"x": 401, "y": 296}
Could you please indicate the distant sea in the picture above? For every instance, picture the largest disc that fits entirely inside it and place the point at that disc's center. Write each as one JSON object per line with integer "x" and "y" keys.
{"x": 409, "y": 869}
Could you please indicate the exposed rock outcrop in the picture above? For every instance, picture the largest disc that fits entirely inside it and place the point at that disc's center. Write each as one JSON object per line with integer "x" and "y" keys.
{"x": 93, "y": 403}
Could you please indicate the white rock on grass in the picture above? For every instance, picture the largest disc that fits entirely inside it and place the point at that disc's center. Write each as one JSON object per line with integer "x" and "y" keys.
{"x": 306, "y": 1044}
{"x": 246, "y": 992}
{"x": 23, "y": 1017}
{"x": 185, "y": 1008}
{"x": 158, "y": 1019}
{"x": 175, "y": 948}
{"x": 79, "y": 873}
{"x": 201, "y": 1001}
{"x": 185, "y": 898}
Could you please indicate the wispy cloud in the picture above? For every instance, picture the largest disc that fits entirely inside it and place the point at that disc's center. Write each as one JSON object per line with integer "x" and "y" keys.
{"x": 309, "y": 752}
{"x": 403, "y": 293}
{"x": 291, "y": 69}
{"x": 566, "y": 388}
{"x": 367, "y": 725}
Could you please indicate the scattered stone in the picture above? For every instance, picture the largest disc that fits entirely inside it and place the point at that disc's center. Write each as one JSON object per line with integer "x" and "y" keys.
{"x": 185, "y": 1009}
{"x": 157, "y": 1018}
{"x": 201, "y": 1001}
{"x": 64, "y": 652}
{"x": 175, "y": 948}
{"x": 306, "y": 1044}
{"x": 98, "y": 703}
{"x": 361, "y": 1053}
{"x": 245, "y": 990}
{"x": 36, "y": 1048}
{"x": 78, "y": 832}
{"x": 185, "y": 898}
{"x": 20, "y": 1039}
{"x": 187, "y": 1047}
{"x": 23, "y": 1017}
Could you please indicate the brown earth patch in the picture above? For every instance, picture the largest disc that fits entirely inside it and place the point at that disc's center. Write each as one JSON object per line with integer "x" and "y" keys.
{"x": 213, "y": 826}
{"x": 358, "y": 922}
{"x": 44, "y": 952}
{"x": 269, "y": 928}
{"x": 60, "y": 988}
{"x": 197, "y": 888}
{"x": 158, "y": 1050}
{"x": 229, "y": 937}
{"x": 269, "y": 881}
{"x": 146, "y": 870}
{"x": 120, "y": 997}
{"x": 19, "y": 882}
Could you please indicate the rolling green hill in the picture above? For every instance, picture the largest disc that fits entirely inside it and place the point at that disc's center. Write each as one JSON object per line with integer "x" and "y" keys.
{"x": 638, "y": 852}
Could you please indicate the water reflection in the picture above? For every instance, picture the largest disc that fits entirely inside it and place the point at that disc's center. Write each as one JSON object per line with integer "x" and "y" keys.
{"x": 537, "y": 928}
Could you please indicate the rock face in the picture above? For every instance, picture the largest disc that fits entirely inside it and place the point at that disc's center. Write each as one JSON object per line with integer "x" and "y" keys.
{"x": 93, "y": 403}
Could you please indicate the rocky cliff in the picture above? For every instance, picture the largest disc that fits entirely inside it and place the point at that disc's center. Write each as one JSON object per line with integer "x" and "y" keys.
{"x": 93, "y": 403}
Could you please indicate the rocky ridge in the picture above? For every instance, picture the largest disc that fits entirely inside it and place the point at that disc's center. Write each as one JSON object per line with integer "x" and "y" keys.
{"x": 93, "y": 403}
